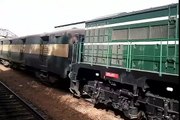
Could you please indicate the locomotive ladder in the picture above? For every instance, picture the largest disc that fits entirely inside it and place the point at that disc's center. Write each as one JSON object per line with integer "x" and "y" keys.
{"x": 172, "y": 25}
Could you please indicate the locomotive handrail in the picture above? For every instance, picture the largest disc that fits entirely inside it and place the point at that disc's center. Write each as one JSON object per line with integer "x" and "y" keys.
{"x": 160, "y": 68}
{"x": 129, "y": 56}
{"x": 80, "y": 46}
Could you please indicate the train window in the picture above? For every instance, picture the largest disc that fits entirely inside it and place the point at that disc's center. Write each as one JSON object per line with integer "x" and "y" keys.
{"x": 139, "y": 33}
{"x": 120, "y": 34}
{"x": 159, "y": 31}
{"x": 45, "y": 38}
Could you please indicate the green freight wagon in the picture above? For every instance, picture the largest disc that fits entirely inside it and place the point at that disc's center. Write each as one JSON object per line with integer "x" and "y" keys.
{"x": 131, "y": 62}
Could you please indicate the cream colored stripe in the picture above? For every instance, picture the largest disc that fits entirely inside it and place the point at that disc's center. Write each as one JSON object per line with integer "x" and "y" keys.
{"x": 16, "y": 48}
{"x": 5, "y": 48}
{"x": 60, "y": 50}
{"x": 32, "y": 49}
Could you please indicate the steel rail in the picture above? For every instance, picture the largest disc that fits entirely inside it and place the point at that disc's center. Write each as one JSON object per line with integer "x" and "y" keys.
{"x": 6, "y": 95}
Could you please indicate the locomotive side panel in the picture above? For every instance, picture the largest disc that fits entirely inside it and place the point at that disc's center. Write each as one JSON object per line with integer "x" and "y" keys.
{"x": 146, "y": 41}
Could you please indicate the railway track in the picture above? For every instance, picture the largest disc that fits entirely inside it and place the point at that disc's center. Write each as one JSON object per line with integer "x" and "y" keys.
{"x": 12, "y": 107}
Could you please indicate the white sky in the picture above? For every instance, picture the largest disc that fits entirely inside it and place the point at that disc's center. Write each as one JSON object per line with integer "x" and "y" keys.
{"x": 25, "y": 17}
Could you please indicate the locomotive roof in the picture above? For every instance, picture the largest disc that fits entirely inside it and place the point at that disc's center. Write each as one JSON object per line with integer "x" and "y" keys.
{"x": 112, "y": 16}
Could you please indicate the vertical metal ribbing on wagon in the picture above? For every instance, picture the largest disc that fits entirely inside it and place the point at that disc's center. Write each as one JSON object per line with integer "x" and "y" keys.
{"x": 160, "y": 62}
{"x": 109, "y": 52}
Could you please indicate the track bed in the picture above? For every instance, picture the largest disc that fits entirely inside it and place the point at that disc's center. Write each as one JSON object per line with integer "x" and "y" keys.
{"x": 12, "y": 107}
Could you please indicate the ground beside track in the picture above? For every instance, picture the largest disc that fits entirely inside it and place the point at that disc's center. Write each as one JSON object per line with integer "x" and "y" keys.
{"x": 59, "y": 105}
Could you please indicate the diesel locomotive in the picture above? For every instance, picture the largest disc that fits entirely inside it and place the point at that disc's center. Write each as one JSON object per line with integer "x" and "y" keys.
{"x": 129, "y": 61}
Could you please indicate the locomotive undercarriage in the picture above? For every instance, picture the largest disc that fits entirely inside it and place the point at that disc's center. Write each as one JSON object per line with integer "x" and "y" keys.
{"x": 107, "y": 94}
{"x": 134, "y": 102}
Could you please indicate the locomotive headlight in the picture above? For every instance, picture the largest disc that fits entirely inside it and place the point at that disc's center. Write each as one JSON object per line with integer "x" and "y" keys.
{"x": 97, "y": 74}
{"x": 170, "y": 89}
